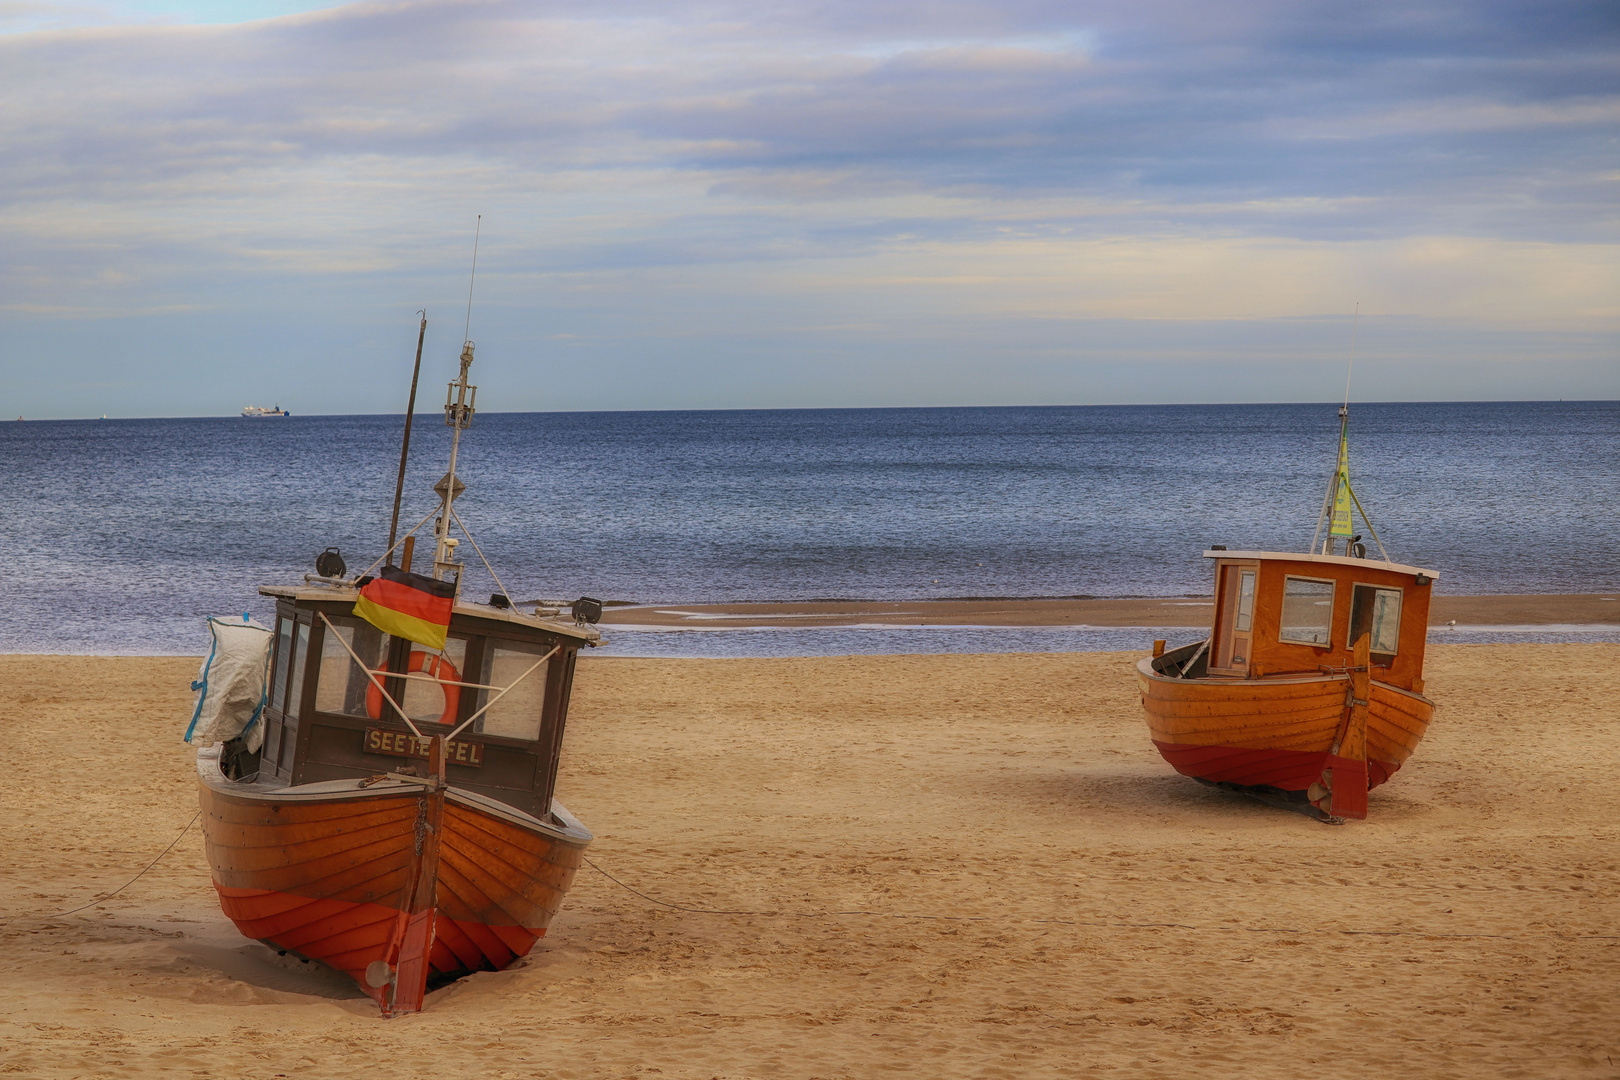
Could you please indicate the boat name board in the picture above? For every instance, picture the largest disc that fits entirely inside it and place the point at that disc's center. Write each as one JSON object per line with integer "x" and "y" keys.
{"x": 404, "y": 744}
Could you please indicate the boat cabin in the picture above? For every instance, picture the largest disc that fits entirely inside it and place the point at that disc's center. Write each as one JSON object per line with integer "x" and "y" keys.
{"x": 327, "y": 720}
{"x": 1286, "y": 613}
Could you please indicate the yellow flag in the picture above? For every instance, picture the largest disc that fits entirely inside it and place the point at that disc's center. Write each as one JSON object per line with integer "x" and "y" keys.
{"x": 1341, "y": 491}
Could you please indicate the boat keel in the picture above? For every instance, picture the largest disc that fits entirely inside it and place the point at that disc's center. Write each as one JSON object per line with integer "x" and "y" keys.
{"x": 392, "y": 956}
{"x": 410, "y": 978}
{"x": 1329, "y": 786}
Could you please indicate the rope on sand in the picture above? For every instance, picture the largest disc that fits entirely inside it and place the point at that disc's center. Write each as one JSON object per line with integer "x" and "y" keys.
{"x": 133, "y": 880}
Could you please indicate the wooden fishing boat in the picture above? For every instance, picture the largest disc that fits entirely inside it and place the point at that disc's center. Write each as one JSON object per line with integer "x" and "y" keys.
{"x": 397, "y": 821}
{"x": 1309, "y": 690}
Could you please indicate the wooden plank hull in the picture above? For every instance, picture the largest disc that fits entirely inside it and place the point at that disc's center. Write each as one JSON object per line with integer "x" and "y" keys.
{"x": 356, "y": 877}
{"x": 1276, "y": 733}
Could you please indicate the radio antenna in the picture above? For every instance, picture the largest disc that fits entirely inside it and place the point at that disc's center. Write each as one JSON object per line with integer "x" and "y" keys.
{"x": 1354, "y": 322}
{"x": 1340, "y": 475}
{"x": 478, "y": 228}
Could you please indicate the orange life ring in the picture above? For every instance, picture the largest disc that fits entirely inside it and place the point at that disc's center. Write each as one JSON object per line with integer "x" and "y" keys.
{"x": 436, "y": 666}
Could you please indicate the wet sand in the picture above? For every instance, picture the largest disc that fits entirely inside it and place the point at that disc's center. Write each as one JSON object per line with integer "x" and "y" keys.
{"x": 1039, "y": 894}
{"x": 1157, "y": 611}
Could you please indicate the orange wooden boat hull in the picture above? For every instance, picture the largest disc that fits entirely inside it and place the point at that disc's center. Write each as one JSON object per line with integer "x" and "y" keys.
{"x": 1276, "y": 733}
{"x": 347, "y": 875}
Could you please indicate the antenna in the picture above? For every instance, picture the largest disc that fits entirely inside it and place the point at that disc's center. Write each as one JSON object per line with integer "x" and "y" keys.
{"x": 1354, "y": 322}
{"x": 477, "y": 229}
{"x": 459, "y": 405}
{"x": 1341, "y": 477}
{"x": 1334, "y": 480}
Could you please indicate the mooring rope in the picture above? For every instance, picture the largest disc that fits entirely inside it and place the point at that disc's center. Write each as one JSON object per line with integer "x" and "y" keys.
{"x": 131, "y": 881}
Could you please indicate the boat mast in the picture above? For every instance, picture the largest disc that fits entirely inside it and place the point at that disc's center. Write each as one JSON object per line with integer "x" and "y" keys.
{"x": 1339, "y": 463}
{"x": 1340, "y": 495}
{"x": 458, "y": 412}
{"x": 404, "y": 450}
{"x": 459, "y": 400}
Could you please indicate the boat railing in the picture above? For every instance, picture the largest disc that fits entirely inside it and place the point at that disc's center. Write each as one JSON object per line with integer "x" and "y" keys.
{"x": 334, "y": 582}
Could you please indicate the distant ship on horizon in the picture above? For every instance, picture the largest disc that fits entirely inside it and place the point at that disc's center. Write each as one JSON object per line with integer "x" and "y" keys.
{"x": 259, "y": 410}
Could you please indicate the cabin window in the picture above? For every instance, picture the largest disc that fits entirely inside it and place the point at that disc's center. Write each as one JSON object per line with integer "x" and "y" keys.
{"x": 516, "y": 715}
{"x": 278, "y": 687}
{"x": 1245, "y": 604}
{"x": 425, "y": 701}
{"x": 1307, "y": 611}
{"x": 295, "y": 691}
{"x": 342, "y": 686}
{"x": 1377, "y": 613}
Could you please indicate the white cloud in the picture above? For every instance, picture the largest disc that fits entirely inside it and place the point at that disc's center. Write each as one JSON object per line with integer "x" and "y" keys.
{"x": 738, "y": 169}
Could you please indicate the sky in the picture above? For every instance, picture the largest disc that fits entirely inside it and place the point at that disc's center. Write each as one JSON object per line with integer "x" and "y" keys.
{"x": 765, "y": 205}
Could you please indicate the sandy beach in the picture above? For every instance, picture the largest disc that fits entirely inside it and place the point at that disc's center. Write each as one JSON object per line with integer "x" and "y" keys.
{"x": 932, "y": 866}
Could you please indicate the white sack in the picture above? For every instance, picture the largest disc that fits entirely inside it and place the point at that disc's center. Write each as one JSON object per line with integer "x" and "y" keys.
{"x": 231, "y": 687}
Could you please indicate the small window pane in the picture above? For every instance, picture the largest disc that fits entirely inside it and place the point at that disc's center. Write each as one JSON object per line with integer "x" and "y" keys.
{"x": 425, "y": 701}
{"x": 1385, "y": 630}
{"x": 517, "y": 714}
{"x": 343, "y": 685}
{"x": 1307, "y": 611}
{"x": 278, "y": 689}
{"x": 295, "y": 691}
{"x": 1245, "y": 611}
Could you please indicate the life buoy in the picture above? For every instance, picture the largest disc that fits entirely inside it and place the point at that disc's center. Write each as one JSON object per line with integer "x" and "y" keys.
{"x": 436, "y": 666}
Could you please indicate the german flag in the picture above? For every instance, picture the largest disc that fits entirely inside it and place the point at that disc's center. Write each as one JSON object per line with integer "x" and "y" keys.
{"x": 408, "y": 605}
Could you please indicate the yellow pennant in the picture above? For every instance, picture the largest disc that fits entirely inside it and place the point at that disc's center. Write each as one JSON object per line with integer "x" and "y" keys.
{"x": 1341, "y": 491}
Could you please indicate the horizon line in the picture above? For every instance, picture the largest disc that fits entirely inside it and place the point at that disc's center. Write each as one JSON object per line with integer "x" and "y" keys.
{"x": 845, "y": 408}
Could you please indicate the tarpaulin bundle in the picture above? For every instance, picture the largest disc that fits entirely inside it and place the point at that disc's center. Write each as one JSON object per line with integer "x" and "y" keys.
{"x": 233, "y": 683}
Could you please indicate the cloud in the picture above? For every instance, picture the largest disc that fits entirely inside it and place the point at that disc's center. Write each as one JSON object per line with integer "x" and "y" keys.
{"x": 999, "y": 158}
{"x": 1270, "y": 100}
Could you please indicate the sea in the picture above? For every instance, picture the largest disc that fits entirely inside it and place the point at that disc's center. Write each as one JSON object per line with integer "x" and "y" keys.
{"x": 121, "y": 536}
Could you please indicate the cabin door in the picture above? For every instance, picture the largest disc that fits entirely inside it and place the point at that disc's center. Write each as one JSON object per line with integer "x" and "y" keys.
{"x": 1234, "y": 626}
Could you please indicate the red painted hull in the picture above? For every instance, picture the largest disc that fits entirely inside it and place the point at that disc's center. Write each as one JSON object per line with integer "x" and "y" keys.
{"x": 1325, "y": 740}
{"x": 1285, "y": 770}
{"x": 349, "y": 937}
{"x": 399, "y": 885}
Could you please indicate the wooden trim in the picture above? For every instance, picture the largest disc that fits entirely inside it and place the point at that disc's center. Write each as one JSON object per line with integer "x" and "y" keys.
{"x": 1326, "y": 560}
{"x": 477, "y": 646}
{"x": 565, "y": 690}
{"x": 306, "y": 692}
{"x": 513, "y": 623}
{"x": 429, "y": 728}
{"x": 306, "y": 711}
{"x": 462, "y": 622}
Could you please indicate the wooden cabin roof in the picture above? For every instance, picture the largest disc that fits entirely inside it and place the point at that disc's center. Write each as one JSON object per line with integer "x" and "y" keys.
{"x": 564, "y": 627}
{"x": 1333, "y": 560}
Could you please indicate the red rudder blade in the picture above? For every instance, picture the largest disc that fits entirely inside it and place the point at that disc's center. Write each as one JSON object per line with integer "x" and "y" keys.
{"x": 410, "y": 986}
{"x": 1349, "y": 783}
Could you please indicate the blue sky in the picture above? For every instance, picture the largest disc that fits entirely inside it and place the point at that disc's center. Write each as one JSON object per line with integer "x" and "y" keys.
{"x": 838, "y": 204}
